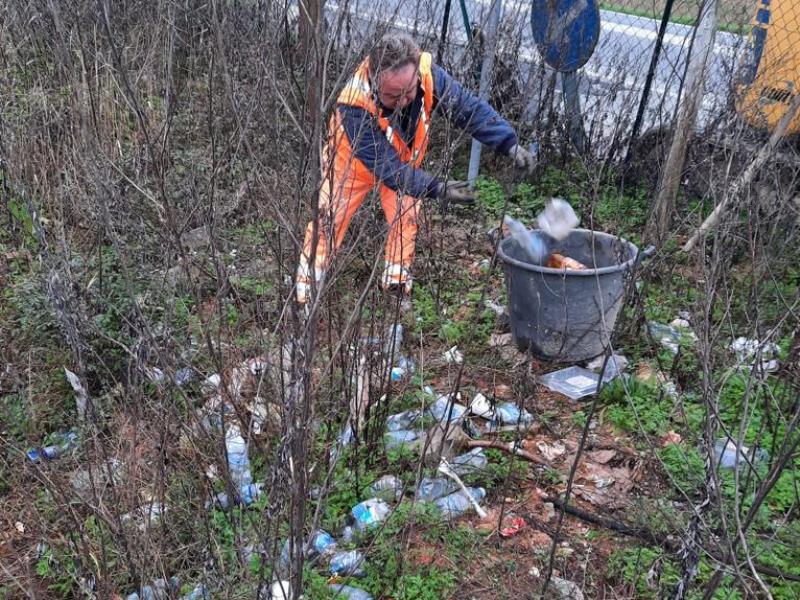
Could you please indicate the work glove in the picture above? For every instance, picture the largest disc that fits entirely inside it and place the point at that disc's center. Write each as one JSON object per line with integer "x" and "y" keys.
{"x": 457, "y": 192}
{"x": 522, "y": 158}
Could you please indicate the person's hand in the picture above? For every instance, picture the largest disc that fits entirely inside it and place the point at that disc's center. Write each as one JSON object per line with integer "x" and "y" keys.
{"x": 457, "y": 192}
{"x": 522, "y": 158}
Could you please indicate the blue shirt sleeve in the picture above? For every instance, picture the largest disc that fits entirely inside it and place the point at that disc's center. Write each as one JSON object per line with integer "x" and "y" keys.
{"x": 472, "y": 114}
{"x": 372, "y": 148}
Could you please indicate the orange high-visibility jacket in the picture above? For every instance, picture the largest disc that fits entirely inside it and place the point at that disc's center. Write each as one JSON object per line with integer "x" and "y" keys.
{"x": 358, "y": 92}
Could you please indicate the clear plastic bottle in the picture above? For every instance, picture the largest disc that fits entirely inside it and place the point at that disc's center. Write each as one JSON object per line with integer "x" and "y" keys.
{"x": 433, "y": 488}
{"x": 388, "y": 488}
{"x": 728, "y": 455}
{"x": 457, "y": 503}
{"x": 348, "y": 563}
{"x": 403, "y": 420}
{"x": 508, "y": 413}
{"x": 394, "y": 339}
{"x": 238, "y": 461}
{"x": 472, "y": 461}
{"x": 322, "y": 543}
{"x": 370, "y": 513}
{"x": 529, "y": 242}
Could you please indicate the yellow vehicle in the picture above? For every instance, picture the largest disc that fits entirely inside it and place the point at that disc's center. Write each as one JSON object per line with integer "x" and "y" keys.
{"x": 772, "y": 66}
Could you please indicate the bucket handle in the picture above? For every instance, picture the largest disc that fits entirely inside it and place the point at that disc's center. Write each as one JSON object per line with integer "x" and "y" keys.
{"x": 644, "y": 254}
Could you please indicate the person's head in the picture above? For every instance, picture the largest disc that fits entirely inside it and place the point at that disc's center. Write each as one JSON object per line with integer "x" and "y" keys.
{"x": 393, "y": 64}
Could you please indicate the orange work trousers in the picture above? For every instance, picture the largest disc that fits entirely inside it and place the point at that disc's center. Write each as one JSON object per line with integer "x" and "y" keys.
{"x": 343, "y": 191}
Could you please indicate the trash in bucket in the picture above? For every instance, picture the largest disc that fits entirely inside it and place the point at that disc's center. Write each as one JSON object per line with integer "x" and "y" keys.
{"x": 568, "y": 315}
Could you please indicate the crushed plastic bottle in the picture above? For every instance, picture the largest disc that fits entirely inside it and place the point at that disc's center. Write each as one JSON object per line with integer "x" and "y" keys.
{"x": 472, "y": 461}
{"x": 530, "y": 243}
{"x": 238, "y": 461}
{"x": 407, "y": 363}
{"x": 558, "y": 218}
{"x": 388, "y": 488}
{"x": 247, "y": 495}
{"x": 184, "y": 376}
{"x": 370, "y": 513}
{"x": 403, "y": 420}
{"x": 348, "y": 534}
{"x": 446, "y": 408}
{"x": 160, "y": 589}
{"x": 348, "y": 592}
{"x": 394, "y": 339}
{"x": 432, "y": 488}
{"x": 728, "y": 456}
{"x": 508, "y": 413}
{"x": 348, "y": 563}
{"x": 402, "y": 437}
{"x": 64, "y": 442}
{"x": 200, "y": 592}
{"x": 322, "y": 543}
{"x": 456, "y": 504}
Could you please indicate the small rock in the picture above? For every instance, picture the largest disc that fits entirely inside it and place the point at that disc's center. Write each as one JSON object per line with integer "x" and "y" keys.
{"x": 566, "y": 590}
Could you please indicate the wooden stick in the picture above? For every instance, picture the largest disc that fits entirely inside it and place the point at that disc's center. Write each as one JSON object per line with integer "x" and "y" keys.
{"x": 510, "y": 448}
{"x": 749, "y": 173}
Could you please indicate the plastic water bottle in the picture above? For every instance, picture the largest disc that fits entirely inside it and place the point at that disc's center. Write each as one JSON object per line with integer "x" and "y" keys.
{"x": 446, "y": 407}
{"x": 433, "y": 488}
{"x": 403, "y": 420}
{"x": 349, "y": 592}
{"x": 348, "y": 534}
{"x": 508, "y": 413}
{"x": 161, "y": 589}
{"x": 401, "y": 437}
{"x": 348, "y": 563}
{"x": 322, "y": 542}
{"x": 728, "y": 455}
{"x": 247, "y": 495}
{"x": 472, "y": 461}
{"x": 388, "y": 488}
{"x": 456, "y": 504}
{"x": 198, "y": 593}
{"x": 64, "y": 443}
{"x": 370, "y": 513}
{"x": 394, "y": 338}
{"x": 530, "y": 243}
{"x": 238, "y": 461}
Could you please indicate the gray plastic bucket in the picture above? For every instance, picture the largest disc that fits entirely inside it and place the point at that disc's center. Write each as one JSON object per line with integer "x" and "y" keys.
{"x": 564, "y": 315}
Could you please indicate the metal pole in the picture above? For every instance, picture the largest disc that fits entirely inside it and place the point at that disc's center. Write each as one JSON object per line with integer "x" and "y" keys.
{"x": 487, "y": 70}
{"x": 648, "y": 82}
{"x": 443, "y": 38}
{"x": 572, "y": 107}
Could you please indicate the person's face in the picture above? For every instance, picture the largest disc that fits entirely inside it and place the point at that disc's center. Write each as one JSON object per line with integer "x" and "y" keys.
{"x": 398, "y": 88}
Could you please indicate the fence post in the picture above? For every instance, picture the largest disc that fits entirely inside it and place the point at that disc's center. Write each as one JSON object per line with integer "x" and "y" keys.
{"x": 487, "y": 71}
{"x": 648, "y": 82}
{"x": 688, "y": 108}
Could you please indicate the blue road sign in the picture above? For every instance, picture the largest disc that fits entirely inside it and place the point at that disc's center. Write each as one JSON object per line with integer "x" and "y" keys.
{"x": 565, "y": 31}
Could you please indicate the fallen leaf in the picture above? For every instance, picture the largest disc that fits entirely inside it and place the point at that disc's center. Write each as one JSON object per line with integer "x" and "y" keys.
{"x": 670, "y": 438}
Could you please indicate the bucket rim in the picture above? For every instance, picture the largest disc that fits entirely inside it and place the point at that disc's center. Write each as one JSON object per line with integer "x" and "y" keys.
{"x": 627, "y": 265}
